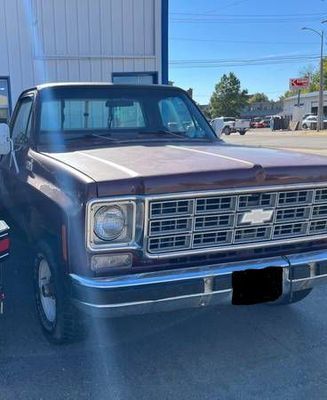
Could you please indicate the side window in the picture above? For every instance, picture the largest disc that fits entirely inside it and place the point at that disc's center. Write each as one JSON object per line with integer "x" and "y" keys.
{"x": 4, "y": 100}
{"x": 21, "y": 128}
{"x": 177, "y": 118}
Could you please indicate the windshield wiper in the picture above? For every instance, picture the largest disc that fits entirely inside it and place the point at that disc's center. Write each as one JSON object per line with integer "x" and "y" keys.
{"x": 180, "y": 135}
{"x": 92, "y": 135}
{"x": 107, "y": 137}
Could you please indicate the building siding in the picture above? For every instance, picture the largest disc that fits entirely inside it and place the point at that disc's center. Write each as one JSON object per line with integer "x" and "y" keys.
{"x": 78, "y": 40}
{"x": 308, "y": 101}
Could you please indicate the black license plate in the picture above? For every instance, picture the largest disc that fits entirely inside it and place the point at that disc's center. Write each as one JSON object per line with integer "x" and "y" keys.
{"x": 257, "y": 285}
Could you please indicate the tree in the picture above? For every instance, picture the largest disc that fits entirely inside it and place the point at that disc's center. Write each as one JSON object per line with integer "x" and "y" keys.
{"x": 257, "y": 98}
{"x": 228, "y": 99}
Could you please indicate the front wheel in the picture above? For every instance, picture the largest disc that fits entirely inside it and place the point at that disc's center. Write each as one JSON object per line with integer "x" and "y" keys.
{"x": 305, "y": 126}
{"x": 59, "y": 319}
{"x": 242, "y": 132}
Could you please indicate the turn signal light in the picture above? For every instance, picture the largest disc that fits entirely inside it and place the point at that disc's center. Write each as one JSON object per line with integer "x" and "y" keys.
{"x": 4, "y": 245}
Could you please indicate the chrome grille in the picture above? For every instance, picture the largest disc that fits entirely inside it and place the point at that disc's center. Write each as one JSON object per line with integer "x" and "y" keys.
{"x": 290, "y": 230}
{"x": 186, "y": 224}
{"x": 292, "y": 214}
{"x": 212, "y": 239}
{"x": 250, "y": 234}
{"x": 295, "y": 197}
{"x": 210, "y": 222}
{"x": 321, "y": 196}
{"x": 256, "y": 200}
{"x": 215, "y": 204}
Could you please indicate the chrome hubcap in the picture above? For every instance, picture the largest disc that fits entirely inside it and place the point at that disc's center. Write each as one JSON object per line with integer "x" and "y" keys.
{"x": 48, "y": 300}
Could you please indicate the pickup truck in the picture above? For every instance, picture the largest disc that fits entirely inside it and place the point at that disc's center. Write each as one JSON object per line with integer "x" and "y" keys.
{"x": 131, "y": 204}
{"x": 228, "y": 125}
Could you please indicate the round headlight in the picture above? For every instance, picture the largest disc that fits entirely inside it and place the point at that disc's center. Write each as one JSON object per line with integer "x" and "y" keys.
{"x": 109, "y": 222}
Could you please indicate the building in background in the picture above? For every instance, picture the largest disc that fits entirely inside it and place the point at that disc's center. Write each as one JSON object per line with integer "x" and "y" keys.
{"x": 121, "y": 41}
{"x": 261, "y": 109}
{"x": 308, "y": 105}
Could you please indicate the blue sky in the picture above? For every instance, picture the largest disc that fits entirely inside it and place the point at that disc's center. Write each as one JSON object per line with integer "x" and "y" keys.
{"x": 239, "y": 30}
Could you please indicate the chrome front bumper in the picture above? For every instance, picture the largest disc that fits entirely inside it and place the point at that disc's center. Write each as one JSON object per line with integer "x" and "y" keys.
{"x": 191, "y": 287}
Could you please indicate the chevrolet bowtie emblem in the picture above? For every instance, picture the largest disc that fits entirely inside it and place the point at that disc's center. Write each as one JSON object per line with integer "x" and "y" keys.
{"x": 256, "y": 217}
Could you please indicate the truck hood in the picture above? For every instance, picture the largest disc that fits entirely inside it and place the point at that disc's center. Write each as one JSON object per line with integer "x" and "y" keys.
{"x": 153, "y": 169}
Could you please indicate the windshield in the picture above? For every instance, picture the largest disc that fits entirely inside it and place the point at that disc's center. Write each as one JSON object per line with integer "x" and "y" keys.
{"x": 120, "y": 113}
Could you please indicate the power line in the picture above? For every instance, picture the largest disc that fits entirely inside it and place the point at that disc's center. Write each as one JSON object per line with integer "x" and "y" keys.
{"x": 237, "y": 41}
{"x": 267, "y": 58}
{"x": 235, "y": 21}
{"x": 250, "y": 15}
{"x": 233, "y": 4}
{"x": 218, "y": 63}
{"x": 209, "y": 94}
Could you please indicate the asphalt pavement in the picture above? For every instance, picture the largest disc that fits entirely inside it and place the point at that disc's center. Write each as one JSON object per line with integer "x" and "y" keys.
{"x": 259, "y": 352}
{"x": 303, "y": 141}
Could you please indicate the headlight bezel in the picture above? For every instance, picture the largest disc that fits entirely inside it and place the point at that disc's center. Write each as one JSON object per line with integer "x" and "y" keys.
{"x": 128, "y": 242}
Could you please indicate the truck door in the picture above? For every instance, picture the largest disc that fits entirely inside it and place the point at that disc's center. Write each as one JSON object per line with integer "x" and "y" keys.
{"x": 13, "y": 166}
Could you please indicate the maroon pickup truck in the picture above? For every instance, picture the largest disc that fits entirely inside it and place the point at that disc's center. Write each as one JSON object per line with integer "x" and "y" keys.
{"x": 133, "y": 205}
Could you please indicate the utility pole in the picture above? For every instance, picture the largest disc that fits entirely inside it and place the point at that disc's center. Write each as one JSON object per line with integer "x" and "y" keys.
{"x": 321, "y": 80}
{"x": 321, "y": 85}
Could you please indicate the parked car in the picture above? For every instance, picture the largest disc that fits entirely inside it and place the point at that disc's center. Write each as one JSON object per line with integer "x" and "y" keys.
{"x": 259, "y": 124}
{"x": 310, "y": 122}
{"x": 308, "y": 115}
{"x": 4, "y": 252}
{"x": 266, "y": 122}
{"x": 133, "y": 205}
{"x": 255, "y": 121}
{"x": 228, "y": 125}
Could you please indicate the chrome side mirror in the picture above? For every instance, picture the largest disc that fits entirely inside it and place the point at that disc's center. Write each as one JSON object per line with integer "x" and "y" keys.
{"x": 5, "y": 146}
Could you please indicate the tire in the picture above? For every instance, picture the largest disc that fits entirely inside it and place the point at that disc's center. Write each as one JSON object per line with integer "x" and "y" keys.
{"x": 305, "y": 126}
{"x": 58, "y": 317}
{"x": 227, "y": 131}
{"x": 242, "y": 133}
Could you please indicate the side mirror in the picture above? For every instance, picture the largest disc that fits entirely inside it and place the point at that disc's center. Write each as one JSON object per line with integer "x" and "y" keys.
{"x": 5, "y": 146}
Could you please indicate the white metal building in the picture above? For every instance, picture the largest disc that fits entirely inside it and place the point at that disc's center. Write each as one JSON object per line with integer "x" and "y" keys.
{"x": 308, "y": 104}
{"x": 80, "y": 40}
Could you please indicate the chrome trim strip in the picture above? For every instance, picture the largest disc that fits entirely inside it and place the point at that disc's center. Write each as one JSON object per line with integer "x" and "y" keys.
{"x": 240, "y": 190}
{"x": 4, "y": 255}
{"x": 146, "y": 302}
{"x": 308, "y": 283}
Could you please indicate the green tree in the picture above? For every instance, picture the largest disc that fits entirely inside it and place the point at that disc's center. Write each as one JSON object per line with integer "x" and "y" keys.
{"x": 228, "y": 99}
{"x": 257, "y": 98}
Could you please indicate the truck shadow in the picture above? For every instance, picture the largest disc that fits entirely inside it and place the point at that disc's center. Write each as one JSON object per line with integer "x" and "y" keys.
{"x": 183, "y": 354}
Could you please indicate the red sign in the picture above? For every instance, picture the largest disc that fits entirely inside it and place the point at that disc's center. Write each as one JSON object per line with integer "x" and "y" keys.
{"x": 299, "y": 83}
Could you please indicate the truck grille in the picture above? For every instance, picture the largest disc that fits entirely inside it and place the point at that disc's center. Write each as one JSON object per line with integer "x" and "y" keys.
{"x": 183, "y": 225}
